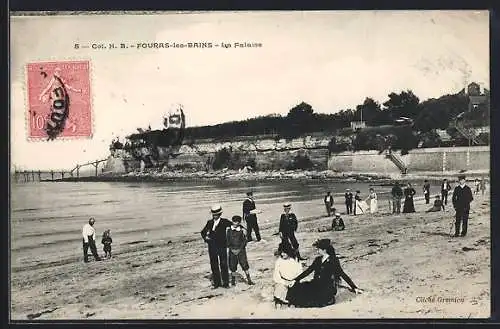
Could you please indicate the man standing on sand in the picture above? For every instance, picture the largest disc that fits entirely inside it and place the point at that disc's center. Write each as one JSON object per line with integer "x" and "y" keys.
{"x": 250, "y": 216}
{"x": 287, "y": 228}
{"x": 348, "y": 201}
{"x": 328, "y": 200}
{"x": 397, "y": 195}
{"x": 427, "y": 191}
{"x": 461, "y": 198}
{"x": 88, "y": 233}
{"x": 214, "y": 234}
{"x": 445, "y": 188}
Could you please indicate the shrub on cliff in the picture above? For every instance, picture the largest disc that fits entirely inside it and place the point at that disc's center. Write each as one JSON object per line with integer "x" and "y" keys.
{"x": 300, "y": 162}
{"x": 226, "y": 158}
{"x": 221, "y": 159}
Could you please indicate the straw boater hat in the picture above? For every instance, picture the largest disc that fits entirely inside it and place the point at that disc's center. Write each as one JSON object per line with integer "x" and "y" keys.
{"x": 337, "y": 214}
{"x": 287, "y": 205}
{"x": 216, "y": 209}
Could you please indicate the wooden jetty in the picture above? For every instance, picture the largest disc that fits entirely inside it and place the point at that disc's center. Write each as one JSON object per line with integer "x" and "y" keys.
{"x": 27, "y": 176}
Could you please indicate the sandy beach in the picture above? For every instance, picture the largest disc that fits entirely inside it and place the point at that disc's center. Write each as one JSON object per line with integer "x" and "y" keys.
{"x": 407, "y": 264}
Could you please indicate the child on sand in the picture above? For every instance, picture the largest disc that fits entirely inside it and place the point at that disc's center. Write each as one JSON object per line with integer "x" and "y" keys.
{"x": 106, "y": 241}
{"x": 438, "y": 205}
{"x": 338, "y": 223}
{"x": 286, "y": 269}
{"x": 236, "y": 243}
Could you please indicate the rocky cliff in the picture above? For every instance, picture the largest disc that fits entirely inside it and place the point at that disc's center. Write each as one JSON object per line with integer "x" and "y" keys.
{"x": 257, "y": 152}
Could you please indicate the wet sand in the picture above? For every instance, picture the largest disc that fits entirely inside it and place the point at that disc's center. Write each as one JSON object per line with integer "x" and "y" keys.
{"x": 399, "y": 260}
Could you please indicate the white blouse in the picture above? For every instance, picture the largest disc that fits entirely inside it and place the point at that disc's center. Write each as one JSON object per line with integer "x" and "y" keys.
{"x": 286, "y": 270}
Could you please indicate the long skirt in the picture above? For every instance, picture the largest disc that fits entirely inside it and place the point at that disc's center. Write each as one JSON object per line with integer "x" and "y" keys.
{"x": 373, "y": 206}
{"x": 311, "y": 294}
{"x": 408, "y": 206}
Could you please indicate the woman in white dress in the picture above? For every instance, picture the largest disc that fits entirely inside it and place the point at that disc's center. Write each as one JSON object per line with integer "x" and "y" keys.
{"x": 286, "y": 269}
{"x": 372, "y": 201}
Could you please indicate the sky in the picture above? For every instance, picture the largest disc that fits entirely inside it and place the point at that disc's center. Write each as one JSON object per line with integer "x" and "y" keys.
{"x": 332, "y": 60}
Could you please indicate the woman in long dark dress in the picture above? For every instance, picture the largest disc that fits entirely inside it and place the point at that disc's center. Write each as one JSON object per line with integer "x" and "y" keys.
{"x": 322, "y": 289}
{"x": 409, "y": 192}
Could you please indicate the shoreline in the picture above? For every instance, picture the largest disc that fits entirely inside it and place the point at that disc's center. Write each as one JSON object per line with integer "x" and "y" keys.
{"x": 272, "y": 176}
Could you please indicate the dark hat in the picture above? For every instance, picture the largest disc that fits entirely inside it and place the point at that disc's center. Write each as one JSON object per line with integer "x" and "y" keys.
{"x": 236, "y": 219}
{"x": 216, "y": 209}
{"x": 322, "y": 244}
{"x": 461, "y": 177}
{"x": 358, "y": 191}
{"x": 287, "y": 249}
{"x": 249, "y": 193}
{"x": 91, "y": 219}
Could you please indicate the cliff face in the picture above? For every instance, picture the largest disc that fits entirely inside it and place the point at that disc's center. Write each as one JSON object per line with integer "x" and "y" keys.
{"x": 260, "y": 154}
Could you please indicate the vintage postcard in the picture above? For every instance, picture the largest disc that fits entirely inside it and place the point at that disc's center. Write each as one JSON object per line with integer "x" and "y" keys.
{"x": 250, "y": 165}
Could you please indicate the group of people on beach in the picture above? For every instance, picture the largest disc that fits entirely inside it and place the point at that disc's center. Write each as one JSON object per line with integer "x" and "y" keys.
{"x": 227, "y": 240}
{"x": 461, "y": 198}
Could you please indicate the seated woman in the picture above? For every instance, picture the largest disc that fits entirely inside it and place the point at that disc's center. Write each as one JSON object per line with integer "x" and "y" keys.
{"x": 322, "y": 289}
{"x": 438, "y": 205}
{"x": 287, "y": 267}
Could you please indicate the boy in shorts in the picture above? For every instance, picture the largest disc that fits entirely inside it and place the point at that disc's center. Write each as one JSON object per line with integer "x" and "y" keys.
{"x": 236, "y": 243}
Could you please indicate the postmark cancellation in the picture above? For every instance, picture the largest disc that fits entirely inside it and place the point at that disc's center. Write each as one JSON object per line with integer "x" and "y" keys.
{"x": 59, "y": 102}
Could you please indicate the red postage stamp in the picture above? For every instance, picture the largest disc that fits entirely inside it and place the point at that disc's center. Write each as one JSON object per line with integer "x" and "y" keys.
{"x": 59, "y": 102}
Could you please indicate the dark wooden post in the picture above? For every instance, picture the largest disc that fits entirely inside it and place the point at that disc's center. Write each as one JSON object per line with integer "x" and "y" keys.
{"x": 96, "y": 164}
{"x": 77, "y": 171}
{"x": 33, "y": 175}
{"x": 52, "y": 174}
{"x": 62, "y": 174}
{"x": 39, "y": 176}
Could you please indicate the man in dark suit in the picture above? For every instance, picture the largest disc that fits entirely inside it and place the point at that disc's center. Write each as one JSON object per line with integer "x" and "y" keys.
{"x": 348, "y": 201}
{"x": 445, "y": 188}
{"x": 427, "y": 191}
{"x": 461, "y": 198}
{"x": 328, "y": 201}
{"x": 214, "y": 234}
{"x": 287, "y": 228}
{"x": 250, "y": 216}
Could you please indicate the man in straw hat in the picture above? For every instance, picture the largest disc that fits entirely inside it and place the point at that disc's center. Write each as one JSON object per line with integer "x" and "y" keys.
{"x": 288, "y": 227}
{"x": 214, "y": 234}
{"x": 461, "y": 199}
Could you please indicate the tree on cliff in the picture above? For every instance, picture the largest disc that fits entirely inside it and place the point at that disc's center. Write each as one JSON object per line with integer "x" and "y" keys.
{"x": 370, "y": 112}
{"x": 404, "y": 104}
{"x": 300, "y": 118}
